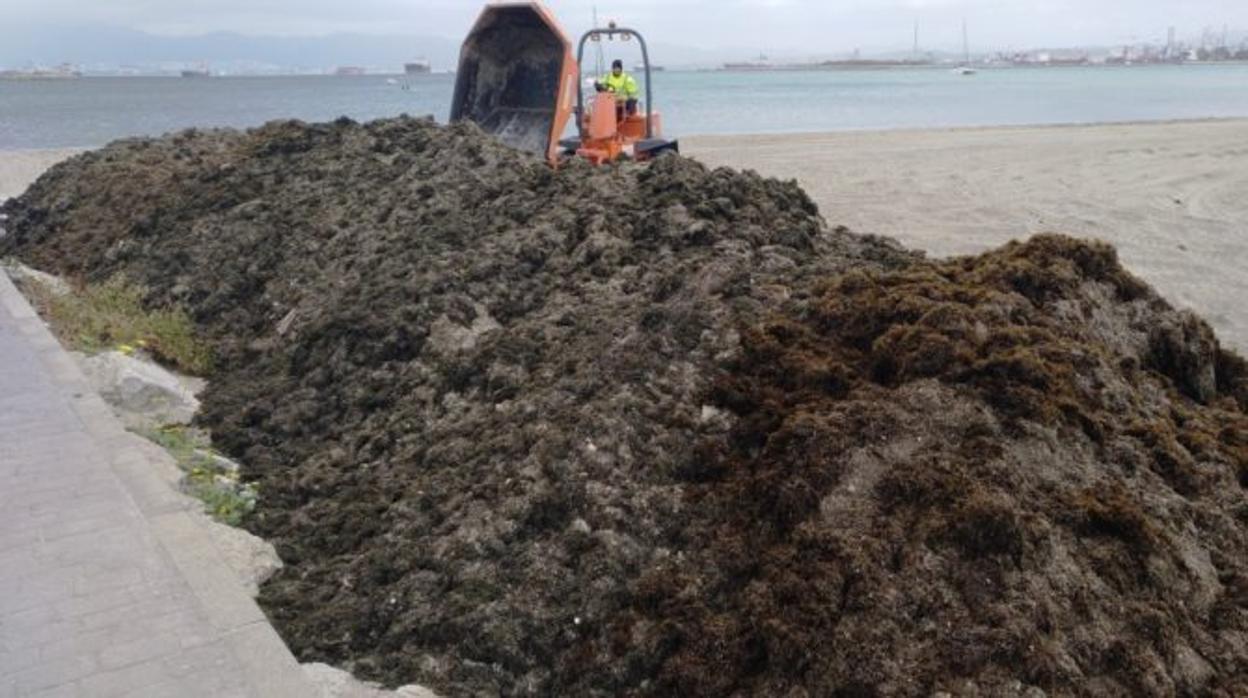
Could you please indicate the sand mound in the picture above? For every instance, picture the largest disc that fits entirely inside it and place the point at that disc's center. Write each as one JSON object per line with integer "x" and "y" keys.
{"x": 657, "y": 430}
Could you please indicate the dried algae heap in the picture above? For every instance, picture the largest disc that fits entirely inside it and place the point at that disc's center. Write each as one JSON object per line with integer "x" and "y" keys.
{"x": 660, "y": 431}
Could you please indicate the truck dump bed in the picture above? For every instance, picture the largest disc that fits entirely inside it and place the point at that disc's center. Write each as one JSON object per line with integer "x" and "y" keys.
{"x": 517, "y": 77}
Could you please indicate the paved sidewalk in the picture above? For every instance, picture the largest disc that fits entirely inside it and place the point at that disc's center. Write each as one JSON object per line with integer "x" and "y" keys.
{"x": 109, "y": 586}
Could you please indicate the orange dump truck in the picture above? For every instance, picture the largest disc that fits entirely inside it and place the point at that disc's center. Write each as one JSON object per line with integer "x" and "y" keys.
{"x": 519, "y": 80}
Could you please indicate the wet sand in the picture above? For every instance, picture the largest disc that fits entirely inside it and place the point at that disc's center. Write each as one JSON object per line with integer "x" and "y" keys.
{"x": 1173, "y": 197}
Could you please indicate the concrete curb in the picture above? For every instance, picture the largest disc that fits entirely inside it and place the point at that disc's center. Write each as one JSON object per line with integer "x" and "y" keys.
{"x": 269, "y": 668}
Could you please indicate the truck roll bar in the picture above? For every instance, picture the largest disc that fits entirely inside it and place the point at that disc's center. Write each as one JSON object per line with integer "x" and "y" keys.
{"x": 610, "y": 33}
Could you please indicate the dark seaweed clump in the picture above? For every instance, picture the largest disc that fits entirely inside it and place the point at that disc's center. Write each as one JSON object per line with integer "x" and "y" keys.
{"x": 659, "y": 431}
{"x": 1016, "y": 470}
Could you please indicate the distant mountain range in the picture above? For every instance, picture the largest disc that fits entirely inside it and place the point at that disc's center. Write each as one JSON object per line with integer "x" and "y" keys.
{"x": 99, "y": 47}
{"x": 108, "y": 49}
{"x": 103, "y": 48}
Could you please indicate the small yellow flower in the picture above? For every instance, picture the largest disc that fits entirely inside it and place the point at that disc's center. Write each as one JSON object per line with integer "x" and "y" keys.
{"x": 126, "y": 349}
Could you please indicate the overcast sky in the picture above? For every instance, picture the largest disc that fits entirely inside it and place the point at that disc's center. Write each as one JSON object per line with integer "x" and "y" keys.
{"x": 765, "y": 25}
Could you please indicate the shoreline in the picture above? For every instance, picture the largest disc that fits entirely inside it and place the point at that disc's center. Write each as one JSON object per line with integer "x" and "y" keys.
{"x": 760, "y": 135}
{"x": 1166, "y": 193}
{"x": 70, "y": 150}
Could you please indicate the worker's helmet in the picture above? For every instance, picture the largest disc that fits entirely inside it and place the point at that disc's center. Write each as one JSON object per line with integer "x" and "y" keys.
{"x": 617, "y": 63}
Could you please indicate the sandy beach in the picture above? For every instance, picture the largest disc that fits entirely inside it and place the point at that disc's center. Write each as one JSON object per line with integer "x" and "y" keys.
{"x": 18, "y": 168}
{"x": 1170, "y": 196}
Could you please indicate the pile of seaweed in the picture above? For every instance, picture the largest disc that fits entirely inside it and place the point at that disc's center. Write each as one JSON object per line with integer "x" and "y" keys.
{"x": 658, "y": 430}
{"x": 1019, "y": 470}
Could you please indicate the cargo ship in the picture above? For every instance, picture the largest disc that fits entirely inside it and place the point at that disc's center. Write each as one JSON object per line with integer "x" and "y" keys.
{"x": 762, "y": 63}
{"x": 419, "y": 67}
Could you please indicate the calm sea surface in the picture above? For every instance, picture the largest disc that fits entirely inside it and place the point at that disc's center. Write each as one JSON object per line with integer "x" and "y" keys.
{"x": 93, "y": 111}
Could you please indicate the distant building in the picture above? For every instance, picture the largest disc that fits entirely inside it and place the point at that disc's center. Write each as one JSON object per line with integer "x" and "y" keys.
{"x": 61, "y": 72}
{"x": 350, "y": 70}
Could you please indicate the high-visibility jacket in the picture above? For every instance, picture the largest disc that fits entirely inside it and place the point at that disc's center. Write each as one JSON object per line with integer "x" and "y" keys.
{"x": 624, "y": 86}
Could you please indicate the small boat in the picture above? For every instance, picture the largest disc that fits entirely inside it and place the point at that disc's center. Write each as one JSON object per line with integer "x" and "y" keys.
{"x": 965, "y": 68}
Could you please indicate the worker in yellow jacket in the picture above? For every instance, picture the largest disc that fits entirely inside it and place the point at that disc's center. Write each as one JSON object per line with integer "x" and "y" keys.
{"x": 622, "y": 85}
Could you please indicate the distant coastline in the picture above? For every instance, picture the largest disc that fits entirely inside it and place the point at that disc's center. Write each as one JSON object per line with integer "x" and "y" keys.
{"x": 348, "y": 71}
{"x": 823, "y": 66}
{"x": 747, "y": 67}
{"x": 62, "y": 72}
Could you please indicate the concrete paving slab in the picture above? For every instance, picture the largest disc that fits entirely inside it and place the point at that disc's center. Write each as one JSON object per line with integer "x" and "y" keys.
{"x": 109, "y": 583}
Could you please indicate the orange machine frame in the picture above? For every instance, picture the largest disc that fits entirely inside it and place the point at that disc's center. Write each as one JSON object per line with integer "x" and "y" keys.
{"x": 606, "y": 131}
{"x": 569, "y": 71}
{"x": 519, "y": 80}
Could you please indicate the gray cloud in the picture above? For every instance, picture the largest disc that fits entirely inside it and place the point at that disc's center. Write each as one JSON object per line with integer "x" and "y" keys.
{"x": 783, "y": 26}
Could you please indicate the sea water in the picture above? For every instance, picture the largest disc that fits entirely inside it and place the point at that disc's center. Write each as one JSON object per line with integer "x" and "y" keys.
{"x": 93, "y": 111}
